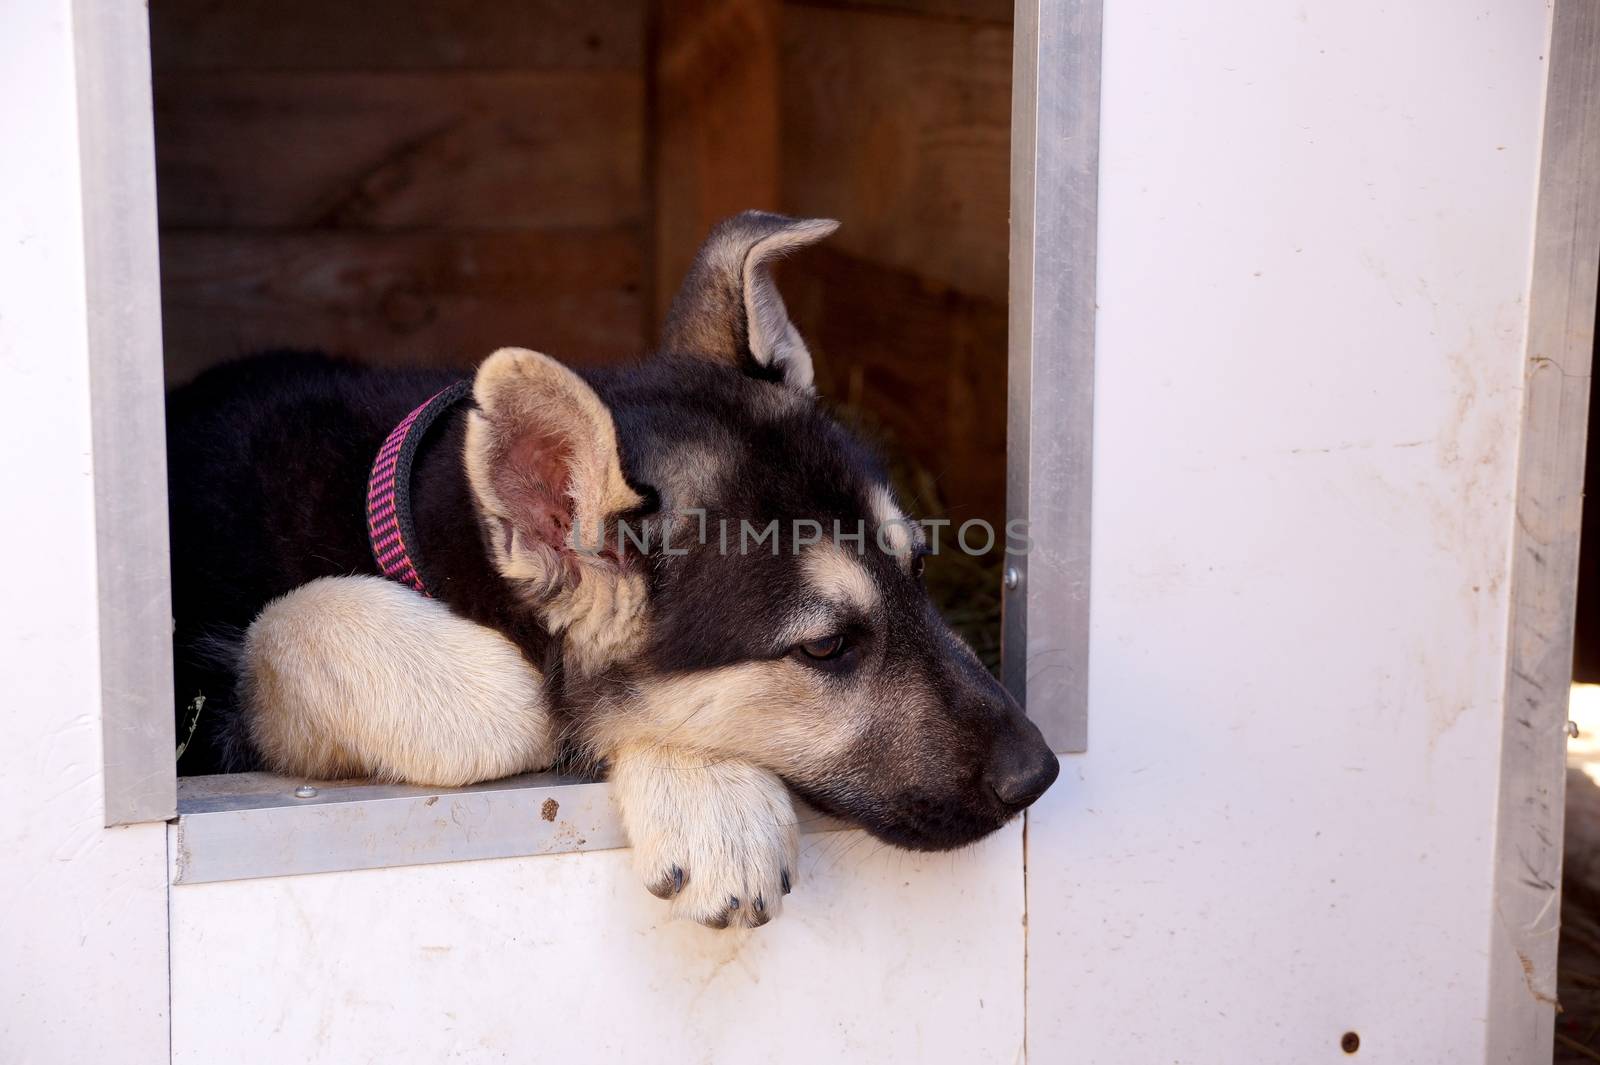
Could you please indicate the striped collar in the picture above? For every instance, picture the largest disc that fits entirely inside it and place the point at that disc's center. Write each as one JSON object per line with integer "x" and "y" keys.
{"x": 389, "y": 527}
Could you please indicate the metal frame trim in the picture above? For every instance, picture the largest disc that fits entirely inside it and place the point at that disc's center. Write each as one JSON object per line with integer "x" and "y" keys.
{"x": 248, "y": 825}
{"x": 1544, "y": 560}
{"x": 1055, "y": 165}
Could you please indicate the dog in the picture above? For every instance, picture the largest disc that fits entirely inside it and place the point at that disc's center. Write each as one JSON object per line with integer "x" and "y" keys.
{"x": 480, "y": 601}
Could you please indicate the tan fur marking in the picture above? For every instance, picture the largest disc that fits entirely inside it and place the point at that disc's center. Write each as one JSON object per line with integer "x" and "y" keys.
{"x": 595, "y": 605}
{"x": 359, "y": 676}
{"x": 838, "y": 576}
{"x": 776, "y": 713}
{"x": 898, "y": 533}
{"x": 706, "y": 831}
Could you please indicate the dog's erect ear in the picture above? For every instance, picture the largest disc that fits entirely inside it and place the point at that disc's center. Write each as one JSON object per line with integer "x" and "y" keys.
{"x": 729, "y": 309}
{"x": 542, "y": 459}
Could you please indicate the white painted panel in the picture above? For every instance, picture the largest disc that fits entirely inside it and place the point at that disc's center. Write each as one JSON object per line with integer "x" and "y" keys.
{"x": 82, "y": 908}
{"x": 1315, "y": 235}
{"x": 879, "y": 955}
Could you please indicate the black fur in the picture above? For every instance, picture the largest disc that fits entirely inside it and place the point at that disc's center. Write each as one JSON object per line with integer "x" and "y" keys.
{"x": 268, "y": 461}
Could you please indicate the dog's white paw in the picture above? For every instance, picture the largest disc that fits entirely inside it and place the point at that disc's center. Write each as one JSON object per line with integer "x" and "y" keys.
{"x": 714, "y": 837}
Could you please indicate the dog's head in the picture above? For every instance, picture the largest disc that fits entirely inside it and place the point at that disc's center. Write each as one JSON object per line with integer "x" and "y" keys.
{"x": 729, "y": 571}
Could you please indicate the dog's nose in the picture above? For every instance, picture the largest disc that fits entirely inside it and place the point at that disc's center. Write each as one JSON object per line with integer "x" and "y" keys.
{"x": 1022, "y": 773}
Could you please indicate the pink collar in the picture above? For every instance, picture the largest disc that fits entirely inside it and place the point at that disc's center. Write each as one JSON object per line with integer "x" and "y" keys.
{"x": 389, "y": 527}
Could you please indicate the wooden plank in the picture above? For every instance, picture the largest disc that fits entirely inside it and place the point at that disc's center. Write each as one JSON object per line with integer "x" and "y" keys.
{"x": 395, "y": 34}
{"x": 900, "y": 128}
{"x": 714, "y": 125}
{"x": 385, "y": 151}
{"x": 996, "y": 11}
{"x": 1544, "y": 556}
{"x": 417, "y": 298}
{"x": 925, "y": 361}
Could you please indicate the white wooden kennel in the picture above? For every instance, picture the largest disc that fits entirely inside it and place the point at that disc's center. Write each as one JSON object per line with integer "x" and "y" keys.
{"x": 1337, "y": 331}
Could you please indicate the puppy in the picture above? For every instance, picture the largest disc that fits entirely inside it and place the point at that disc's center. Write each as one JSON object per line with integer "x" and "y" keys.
{"x": 684, "y": 571}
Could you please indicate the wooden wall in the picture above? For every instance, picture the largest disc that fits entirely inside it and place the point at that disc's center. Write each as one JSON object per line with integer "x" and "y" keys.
{"x": 426, "y": 180}
{"x": 896, "y": 119}
{"x": 403, "y": 180}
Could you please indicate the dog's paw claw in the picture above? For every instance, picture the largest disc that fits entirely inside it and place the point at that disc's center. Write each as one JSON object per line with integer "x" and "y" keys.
{"x": 716, "y": 840}
{"x": 670, "y": 885}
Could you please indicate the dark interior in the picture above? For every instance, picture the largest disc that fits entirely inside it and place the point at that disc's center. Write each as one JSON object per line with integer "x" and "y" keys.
{"x": 423, "y": 181}
{"x": 1586, "y": 645}
{"x": 1578, "y": 966}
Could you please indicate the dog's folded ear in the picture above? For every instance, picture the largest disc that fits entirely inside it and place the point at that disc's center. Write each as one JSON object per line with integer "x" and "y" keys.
{"x": 728, "y": 308}
{"x": 542, "y": 460}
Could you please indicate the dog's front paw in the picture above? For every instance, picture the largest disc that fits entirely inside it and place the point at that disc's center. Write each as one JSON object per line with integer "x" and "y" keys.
{"x": 716, "y": 838}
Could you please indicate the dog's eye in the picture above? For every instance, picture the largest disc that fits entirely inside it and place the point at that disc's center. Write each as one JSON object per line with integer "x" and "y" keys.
{"x": 919, "y": 562}
{"x": 825, "y": 649}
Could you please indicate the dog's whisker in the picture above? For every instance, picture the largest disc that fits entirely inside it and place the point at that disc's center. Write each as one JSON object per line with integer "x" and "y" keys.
{"x": 854, "y": 840}
{"x": 879, "y": 849}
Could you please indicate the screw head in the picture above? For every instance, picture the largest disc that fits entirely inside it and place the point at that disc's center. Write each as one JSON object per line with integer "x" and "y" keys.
{"x": 1572, "y": 729}
{"x": 305, "y": 791}
{"x": 1013, "y": 578}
